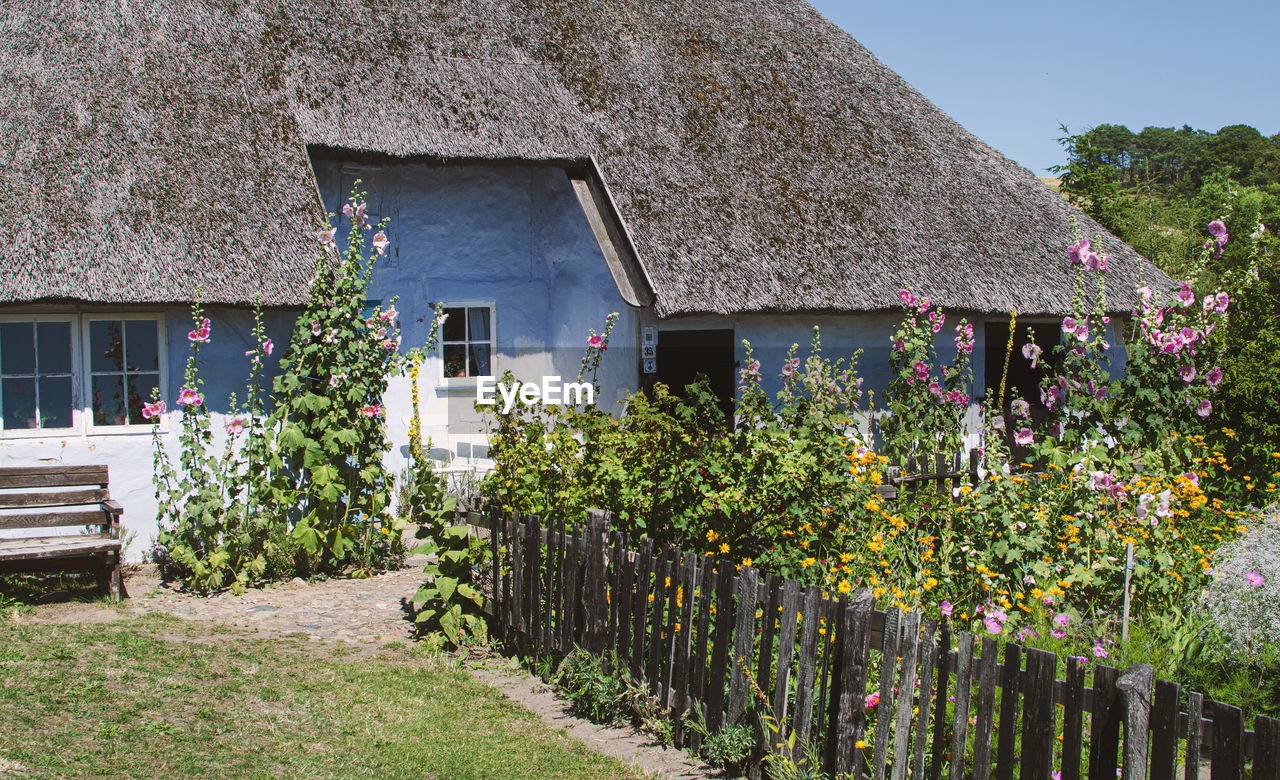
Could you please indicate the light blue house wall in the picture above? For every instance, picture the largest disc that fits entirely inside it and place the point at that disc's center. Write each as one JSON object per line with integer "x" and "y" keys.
{"x": 512, "y": 236}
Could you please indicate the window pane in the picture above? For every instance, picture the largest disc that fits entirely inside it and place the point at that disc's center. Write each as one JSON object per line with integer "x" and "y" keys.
{"x": 105, "y": 346}
{"x": 478, "y": 323}
{"x": 479, "y": 360}
{"x": 455, "y": 360}
{"x": 140, "y": 388}
{"x": 54, "y": 348}
{"x": 455, "y": 327}
{"x": 17, "y": 349}
{"x": 55, "y": 400}
{"x": 18, "y": 397}
{"x": 141, "y": 347}
{"x": 108, "y": 400}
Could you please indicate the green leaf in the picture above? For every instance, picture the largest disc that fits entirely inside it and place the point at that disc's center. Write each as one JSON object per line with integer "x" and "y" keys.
{"x": 447, "y": 587}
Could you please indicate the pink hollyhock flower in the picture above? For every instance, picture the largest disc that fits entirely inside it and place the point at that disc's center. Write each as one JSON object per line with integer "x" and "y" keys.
{"x": 1213, "y": 378}
{"x": 900, "y": 345}
{"x": 1079, "y": 251}
{"x": 1208, "y": 303}
{"x": 872, "y": 701}
{"x": 325, "y": 237}
{"x": 1217, "y": 228}
{"x": 1032, "y": 352}
{"x": 188, "y": 396}
{"x": 372, "y": 410}
{"x": 1020, "y": 408}
{"x": 267, "y": 346}
{"x": 388, "y": 345}
{"x": 234, "y": 425}
{"x": 1223, "y": 301}
{"x": 906, "y": 297}
{"x": 921, "y": 369}
{"x": 997, "y": 422}
{"x": 596, "y": 342}
{"x": 380, "y": 242}
{"x": 201, "y": 333}
{"x": 945, "y": 608}
{"x": 1185, "y": 296}
{"x": 1188, "y": 373}
{"x": 1069, "y": 325}
{"x": 152, "y": 410}
{"x": 935, "y": 389}
{"x": 1204, "y": 408}
{"x": 1024, "y": 437}
{"x": 1255, "y": 579}
{"x": 315, "y": 328}
{"x": 389, "y": 315}
{"x": 789, "y": 367}
{"x": 1222, "y": 241}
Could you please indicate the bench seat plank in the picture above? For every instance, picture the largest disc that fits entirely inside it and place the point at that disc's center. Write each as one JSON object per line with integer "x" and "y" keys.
{"x": 52, "y": 476}
{"x": 53, "y": 498}
{"x": 52, "y": 546}
{"x": 94, "y": 516}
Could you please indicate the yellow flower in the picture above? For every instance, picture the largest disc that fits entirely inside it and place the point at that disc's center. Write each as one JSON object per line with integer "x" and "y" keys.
{"x": 724, "y": 547}
{"x": 746, "y": 561}
{"x": 808, "y": 562}
{"x": 712, "y": 535}
{"x": 861, "y": 744}
{"x": 845, "y": 586}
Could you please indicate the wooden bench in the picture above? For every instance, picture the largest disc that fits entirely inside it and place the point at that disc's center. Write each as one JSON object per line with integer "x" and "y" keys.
{"x": 61, "y": 497}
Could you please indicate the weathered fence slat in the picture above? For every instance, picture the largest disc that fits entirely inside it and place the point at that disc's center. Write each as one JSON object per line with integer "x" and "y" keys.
{"x": 769, "y": 606}
{"x": 884, "y": 708}
{"x": 855, "y": 634}
{"x": 1038, "y": 715}
{"x": 1073, "y": 720}
{"x": 1164, "y": 728}
{"x": 595, "y": 608}
{"x": 1136, "y": 685}
{"x": 1266, "y": 747}
{"x": 517, "y": 575}
{"x": 548, "y": 592}
{"x": 829, "y": 617}
{"x": 669, "y": 624}
{"x": 495, "y": 539}
{"x": 909, "y": 646}
{"x": 573, "y": 596}
{"x": 1195, "y": 730}
{"x": 680, "y": 677}
{"x": 706, "y": 591}
{"x": 805, "y": 675}
{"x": 1104, "y": 729}
{"x": 928, "y": 654}
{"x": 720, "y": 646}
{"x": 940, "y": 706}
{"x": 533, "y": 563}
{"x": 984, "y": 713}
{"x": 744, "y": 637}
{"x": 786, "y": 652}
{"x": 657, "y": 644}
{"x": 625, "y": 601}
{"x": 1228, "y": 742}
{"x": 960, "y": 717}
{"x": 644, "y": 580}
{"x": 1010, "y": 678}
{"x": 614, "y": 578}
{"x": 557, "y": 621}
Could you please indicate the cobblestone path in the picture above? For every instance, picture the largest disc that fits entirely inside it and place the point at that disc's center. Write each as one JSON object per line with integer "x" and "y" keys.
{"x": 369, "y": 610}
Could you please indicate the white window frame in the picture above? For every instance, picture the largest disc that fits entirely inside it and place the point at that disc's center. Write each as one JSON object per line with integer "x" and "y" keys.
{"x": 81, "y": 411}
{"x": 86, "y": 374}
{"x": 469, "y": 381}
{"x": 77, "y": 408}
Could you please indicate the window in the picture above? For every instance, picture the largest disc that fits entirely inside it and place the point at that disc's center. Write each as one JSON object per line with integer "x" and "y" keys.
{"x": 74, "y": 372}
{"x": 35, "y": 374}
{"x": 123, "y": 368}
{"x": 466, "y": 341}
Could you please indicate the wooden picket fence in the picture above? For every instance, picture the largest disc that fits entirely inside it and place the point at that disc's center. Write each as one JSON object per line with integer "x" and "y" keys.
{"x": 913, "y": 478}
{"x": 732, "y": 644}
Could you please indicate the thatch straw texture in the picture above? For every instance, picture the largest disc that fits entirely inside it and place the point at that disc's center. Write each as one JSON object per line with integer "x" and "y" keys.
{"x": 763, "y": 159}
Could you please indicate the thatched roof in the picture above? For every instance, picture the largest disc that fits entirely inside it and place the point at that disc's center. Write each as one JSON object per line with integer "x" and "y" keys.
{"x": 762, "y": 158}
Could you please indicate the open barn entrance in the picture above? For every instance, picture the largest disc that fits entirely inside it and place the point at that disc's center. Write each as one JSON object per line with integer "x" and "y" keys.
{"x": 683, "y": 354}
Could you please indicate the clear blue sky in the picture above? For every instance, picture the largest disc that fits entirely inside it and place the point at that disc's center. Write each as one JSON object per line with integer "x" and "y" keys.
{"x": 1010, "y": 72}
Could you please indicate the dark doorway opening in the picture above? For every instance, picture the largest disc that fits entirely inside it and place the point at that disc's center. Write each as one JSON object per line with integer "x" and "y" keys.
{"x": 1022, "y": 381}
{"x": 683, "y": 354}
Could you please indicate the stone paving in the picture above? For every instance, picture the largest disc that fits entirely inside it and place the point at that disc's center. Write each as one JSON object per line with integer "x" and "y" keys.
{"x": 372, "y": 610}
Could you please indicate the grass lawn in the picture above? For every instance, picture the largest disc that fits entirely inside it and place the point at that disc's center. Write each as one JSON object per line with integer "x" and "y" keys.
{"x": 159, "y": 696}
